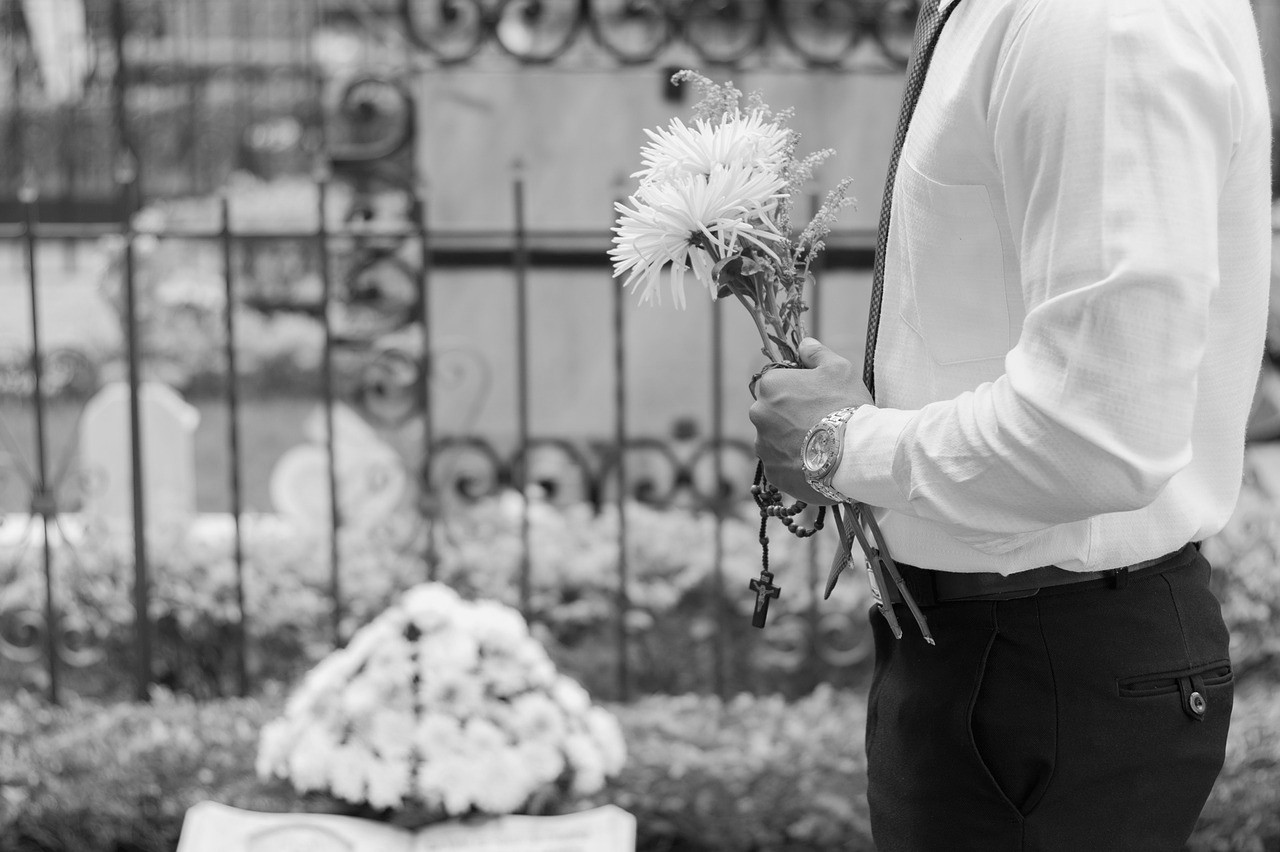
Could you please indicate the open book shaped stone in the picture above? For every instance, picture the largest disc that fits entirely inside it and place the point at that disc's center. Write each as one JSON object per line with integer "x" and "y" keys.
{"x": 211, "y": 827}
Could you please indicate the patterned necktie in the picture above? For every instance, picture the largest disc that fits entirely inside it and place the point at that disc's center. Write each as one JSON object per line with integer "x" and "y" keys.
{"x": 928, "y": 26}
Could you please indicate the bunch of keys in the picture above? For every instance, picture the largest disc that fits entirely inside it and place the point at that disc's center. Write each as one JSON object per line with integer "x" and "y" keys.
{"x": 853, "y": 524}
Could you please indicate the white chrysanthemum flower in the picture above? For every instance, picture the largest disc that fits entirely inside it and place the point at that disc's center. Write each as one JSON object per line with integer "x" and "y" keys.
{"x": 607, "y": 733}
{"x": 587, "y": 764}
{"x": 448, "y": 652}
{"x": 350, "y": 767}
{"x": 360, "y": 699}
{"x": 497, "y": 627}
{"x": 455, "y": 707}
{"x": 431, "y": 605}
{"x": 534, "y": 716}
{"x": 571, "y": 697}
{"x": 508, "y": 781}
{"x": 691, "y": 223}
{"x": 742, "y": 140}
{"x": 309, "y": 759}
{"x": 390, "y": 733}
{"x": 273, "y": 750}
{"x": 389, "y": 782}
{"x": 437, "y": 733}
{"x": 506, "y": 679}
{"x": 544, "y": 759}
{"x": 461, "y": 694}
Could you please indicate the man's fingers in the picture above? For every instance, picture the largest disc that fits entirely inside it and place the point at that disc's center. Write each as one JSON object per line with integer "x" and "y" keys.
{"x": 814, "y": 354}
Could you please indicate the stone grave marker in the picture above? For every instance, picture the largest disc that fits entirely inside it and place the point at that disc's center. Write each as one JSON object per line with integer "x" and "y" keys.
{"x": 168, "y": 453}
{"x": 212, "y": 827}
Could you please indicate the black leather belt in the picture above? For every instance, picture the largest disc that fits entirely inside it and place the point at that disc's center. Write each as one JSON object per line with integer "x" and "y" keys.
{"x": 930, "y": 588}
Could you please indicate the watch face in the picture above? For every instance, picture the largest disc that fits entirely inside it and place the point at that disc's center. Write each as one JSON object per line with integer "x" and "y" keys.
{"x": 818, "y": 451}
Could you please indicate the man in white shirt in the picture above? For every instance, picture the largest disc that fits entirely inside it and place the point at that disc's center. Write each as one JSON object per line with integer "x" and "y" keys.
{"x": 1074, "y": 307}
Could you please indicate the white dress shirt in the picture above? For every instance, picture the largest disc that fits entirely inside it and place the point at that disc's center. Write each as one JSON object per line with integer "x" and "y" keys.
{"x": 1075, "y": 288}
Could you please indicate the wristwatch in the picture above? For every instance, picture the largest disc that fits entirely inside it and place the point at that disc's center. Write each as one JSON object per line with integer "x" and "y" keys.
{"x": 823, "y": 448}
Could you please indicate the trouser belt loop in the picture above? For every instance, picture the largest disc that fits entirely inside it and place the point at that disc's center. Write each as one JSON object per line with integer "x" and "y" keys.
{"x": 1119, "y": 578}
{"x": 927, "y": 595}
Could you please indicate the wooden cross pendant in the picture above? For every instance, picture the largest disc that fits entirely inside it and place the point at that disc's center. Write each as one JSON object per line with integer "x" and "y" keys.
{"x": 765, "y": 589}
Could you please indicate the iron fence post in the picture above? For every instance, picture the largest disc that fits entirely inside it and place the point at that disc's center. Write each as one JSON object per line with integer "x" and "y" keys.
{"x": 814, "y": 666}
{"x": 428, "y": 501}
{"x": 521, "y": 269}
{"x": 233, "y": 443}
{"x": 326, "y": 378}
{"x": 717, "y": 497}
{"x": 620, "y": 442}
{"x": 42, "y": 497}
{"x": 127, "y": 176}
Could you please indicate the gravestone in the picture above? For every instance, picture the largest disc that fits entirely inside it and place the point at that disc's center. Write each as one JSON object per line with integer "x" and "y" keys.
{"x": 371, "y": 478}
{"x": 168, "y": 453}
{"x": 212, "y": 827}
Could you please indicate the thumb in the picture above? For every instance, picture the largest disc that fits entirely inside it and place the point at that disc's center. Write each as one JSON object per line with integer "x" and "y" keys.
{"x": 814, "y": 354}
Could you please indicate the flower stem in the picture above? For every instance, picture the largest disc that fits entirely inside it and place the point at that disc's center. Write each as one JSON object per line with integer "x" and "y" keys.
{"x": 769, "y": 350}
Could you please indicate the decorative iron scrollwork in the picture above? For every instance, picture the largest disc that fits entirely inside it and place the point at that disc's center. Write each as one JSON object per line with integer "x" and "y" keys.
{"x": 374, "y": 121}
{"x": 633, "y": 31}
{"x": 737, "y": 461}
{"x": 466, "y": 468}
{"x": 379, "y": 296}
{"x": 537, "y": 31}
{"x": 471, "y": 468}
{"x": 452, "y": 31}
{"x": 724, "y": 32}
{"x": 653, "y": 472}
{"x": 558, "y": 468}
{"x": 823, "y": 33}
{"x": 894, "y": 27}
{"x": 23, "y": 637}
{"x": 391, "y": 386}
{"x": 66, "y": 372}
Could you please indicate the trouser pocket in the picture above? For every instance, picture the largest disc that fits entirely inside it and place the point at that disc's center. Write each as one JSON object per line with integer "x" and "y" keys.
{"x": 1013, "y": 717}
{"x": 1195, "y": 687}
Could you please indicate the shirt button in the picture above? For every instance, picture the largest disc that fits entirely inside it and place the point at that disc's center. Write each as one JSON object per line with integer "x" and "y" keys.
{"x": 1198, "y": 705}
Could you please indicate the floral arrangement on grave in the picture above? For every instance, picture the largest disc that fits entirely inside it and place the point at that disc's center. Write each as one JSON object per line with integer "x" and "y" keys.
{"x": 442, "y": 708}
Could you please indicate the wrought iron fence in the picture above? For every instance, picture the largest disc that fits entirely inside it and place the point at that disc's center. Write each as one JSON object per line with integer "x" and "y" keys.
{"x": 384, "y": 274}
{"x": 174, "y": 96}
{"x": 192, "y": 90}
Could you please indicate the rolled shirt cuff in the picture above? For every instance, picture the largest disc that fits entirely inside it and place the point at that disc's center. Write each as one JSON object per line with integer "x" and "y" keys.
{"x": 871, "y": 440}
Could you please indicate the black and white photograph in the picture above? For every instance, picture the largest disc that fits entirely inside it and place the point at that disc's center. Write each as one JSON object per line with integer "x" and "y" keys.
{"x": 639, "y": 426}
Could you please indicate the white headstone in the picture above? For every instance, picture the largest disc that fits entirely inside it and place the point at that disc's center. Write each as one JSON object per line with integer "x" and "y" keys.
{"x": 370, "y": 476}
{"x": 168, "y": 453}
{"x": 211, "y": 827}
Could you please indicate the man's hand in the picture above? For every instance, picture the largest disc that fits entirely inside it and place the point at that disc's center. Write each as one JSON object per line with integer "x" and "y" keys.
{"x": 791, "y": 402}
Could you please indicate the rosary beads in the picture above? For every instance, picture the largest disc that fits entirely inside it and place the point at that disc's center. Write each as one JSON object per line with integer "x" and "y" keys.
{"x": 769, "y": 500}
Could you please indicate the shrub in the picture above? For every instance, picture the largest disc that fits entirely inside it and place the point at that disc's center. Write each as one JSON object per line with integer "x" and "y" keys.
{"x": 1246, "y": 555}
{"x": 1243, "y": 812}
{"x": 675, "y": 603}
{"x": 703, "y": 775}
{"x": 751, "y": 773}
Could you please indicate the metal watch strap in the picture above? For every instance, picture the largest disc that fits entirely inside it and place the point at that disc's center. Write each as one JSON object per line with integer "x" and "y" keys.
{"x": 835, "y": 420}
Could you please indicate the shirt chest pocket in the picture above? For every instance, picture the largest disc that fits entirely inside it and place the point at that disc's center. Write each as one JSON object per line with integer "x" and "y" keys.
{"x": 954, "y": 287}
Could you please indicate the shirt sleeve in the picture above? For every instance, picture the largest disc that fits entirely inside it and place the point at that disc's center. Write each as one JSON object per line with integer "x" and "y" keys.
{"x": 1113, "y": 123}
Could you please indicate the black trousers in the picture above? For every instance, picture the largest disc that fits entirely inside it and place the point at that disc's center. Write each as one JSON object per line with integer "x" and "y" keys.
{"x": 1076, "y": 719}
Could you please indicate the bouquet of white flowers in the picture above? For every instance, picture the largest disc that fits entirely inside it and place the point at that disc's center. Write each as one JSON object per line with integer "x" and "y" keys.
{"x": 717, "y": 198}
{"x": 442, "y": 706}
